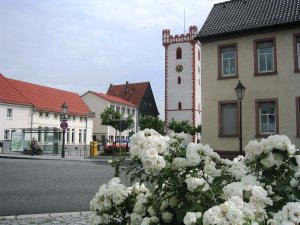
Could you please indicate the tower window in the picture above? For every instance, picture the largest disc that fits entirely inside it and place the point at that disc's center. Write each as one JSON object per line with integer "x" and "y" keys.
{"x": 179, "y": 105}
{"x": 179, "y": 80}
{"x": 199, "y": 55}
{"x": 178, "y": 53}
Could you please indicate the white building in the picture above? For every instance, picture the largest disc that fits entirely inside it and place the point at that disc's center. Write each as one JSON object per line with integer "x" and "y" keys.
{"x": 30, "y": 107}
{"x": 182, "y": 77}
{"x": 98, "y": 102}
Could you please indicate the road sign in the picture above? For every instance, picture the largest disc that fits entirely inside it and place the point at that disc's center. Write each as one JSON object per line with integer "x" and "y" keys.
{"x": 63, "y": 119}
{"x": 64, "y": 125}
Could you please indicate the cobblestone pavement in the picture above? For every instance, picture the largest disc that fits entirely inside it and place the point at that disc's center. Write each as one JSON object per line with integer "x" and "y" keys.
{"x": 74, "y": 218}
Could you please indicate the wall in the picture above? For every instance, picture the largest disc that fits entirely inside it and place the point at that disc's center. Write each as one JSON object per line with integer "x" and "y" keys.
{"x": 284, "y": 86}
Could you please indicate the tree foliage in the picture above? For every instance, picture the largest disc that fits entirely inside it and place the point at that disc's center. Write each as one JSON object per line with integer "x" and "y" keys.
{"x": 152, "y": 122}
{"x": 116, "y": 119}
{"x": 184, "y": 126}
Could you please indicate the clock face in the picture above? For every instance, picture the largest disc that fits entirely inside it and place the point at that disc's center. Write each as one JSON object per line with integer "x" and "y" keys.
{"x": 179, "y": 68}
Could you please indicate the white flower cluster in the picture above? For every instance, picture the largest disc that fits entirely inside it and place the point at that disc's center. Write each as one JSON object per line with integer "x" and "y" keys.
{"x": 237, "y": 167}
{"x": 110, "y": 195}
{"x": 190, "y": 218}
{"x": 194, "y": 182}
{"x": 195, "y": 153}
{"x": 289, "y": 215}
{"x": 233, "y": 211}
{"x": 149, "y": 146}
{"x": 279, "y": 142}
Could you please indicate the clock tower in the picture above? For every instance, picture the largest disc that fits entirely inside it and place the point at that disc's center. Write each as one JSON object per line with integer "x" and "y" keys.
{"x": 182, "y": 77}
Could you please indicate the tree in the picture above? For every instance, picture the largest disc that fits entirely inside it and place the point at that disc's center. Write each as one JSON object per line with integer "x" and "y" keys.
{"x": 184, "y": 126}
{"x": 152, "y": 122}
{"x": 115, "y": 119}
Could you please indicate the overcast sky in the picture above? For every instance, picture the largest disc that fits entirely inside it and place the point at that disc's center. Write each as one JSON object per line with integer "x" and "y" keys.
{"x": 81, "y": 45}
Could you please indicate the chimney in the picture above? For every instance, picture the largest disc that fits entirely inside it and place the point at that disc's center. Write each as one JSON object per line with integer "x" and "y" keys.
{"x": 126, "y": 88}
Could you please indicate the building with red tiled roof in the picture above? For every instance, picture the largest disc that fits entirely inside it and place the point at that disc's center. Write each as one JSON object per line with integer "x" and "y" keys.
{"x": 26, "y": 105}
{"x": 138, "y": 94}
{"x": 98, "y": 102}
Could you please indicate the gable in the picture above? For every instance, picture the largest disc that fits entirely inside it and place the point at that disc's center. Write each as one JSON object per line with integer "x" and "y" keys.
{"x": 9, "y": 94}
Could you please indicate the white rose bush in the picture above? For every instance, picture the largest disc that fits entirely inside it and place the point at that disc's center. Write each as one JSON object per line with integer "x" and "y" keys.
{"x": 180, "y": 183}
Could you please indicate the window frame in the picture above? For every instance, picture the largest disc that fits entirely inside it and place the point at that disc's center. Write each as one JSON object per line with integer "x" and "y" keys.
{"x": 179, "y": 106}
{"x": 220, "y": 61}
{"x": 178, "y": 80}
{"x": 257, "y": 117}
{"x": 9, "y": 113}
{"x": 298, "y": 116}
{"x": 178, "y": 53}
{"x": 296, "y": 53}
{"x": 7, "y": 135}
{"x": 220, "y": 121}
{"x": 256, "y": 42}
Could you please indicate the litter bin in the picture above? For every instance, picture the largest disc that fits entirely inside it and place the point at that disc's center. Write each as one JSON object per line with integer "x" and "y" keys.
{"x": 93, "y": 148}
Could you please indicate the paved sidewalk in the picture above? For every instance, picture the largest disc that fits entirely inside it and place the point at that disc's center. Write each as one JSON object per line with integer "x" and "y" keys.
{"x": 74, "y": 218}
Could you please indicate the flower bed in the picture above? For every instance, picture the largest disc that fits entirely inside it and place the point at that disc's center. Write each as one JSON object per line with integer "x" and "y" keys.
{"x": 179, "y": 183}
{"x": 115, "y": 149}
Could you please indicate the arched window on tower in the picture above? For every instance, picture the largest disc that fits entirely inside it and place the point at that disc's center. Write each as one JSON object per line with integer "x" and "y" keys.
{"x": 178, "y": 53}
{"x": 198, "y": 54}
{"x": 179, "y": 105}
{"x": 179, "y": 80}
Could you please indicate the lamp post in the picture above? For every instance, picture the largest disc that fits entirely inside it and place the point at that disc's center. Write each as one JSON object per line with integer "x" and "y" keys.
{"x": 64, "y": 126}
{"x": 240, "y": 91}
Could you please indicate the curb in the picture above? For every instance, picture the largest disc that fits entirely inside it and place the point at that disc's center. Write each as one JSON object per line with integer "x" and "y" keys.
{"x": 46, "y": 215}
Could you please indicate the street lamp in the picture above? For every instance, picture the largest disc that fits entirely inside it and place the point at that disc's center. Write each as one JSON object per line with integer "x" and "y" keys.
{"x": 240, "y": 91}
{"x": 64, "y": 126}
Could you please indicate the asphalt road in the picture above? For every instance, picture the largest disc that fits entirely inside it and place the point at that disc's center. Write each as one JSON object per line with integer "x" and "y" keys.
{"x": 49, "y": 186}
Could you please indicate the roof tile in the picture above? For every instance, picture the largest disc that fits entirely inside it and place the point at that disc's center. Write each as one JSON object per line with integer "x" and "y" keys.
{"x": 245, "y": 15}
{"x": 42, "y": 97}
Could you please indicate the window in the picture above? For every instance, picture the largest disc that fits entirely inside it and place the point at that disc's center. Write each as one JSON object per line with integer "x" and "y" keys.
{"x": 298, "y": 115}
{"x": 80, "y": 136}
{"x": 266, "y": 117}
{"x": 118, "y": 108}
{"x": 178, "y": 53}
{"x": 74, "y": 118}
{"x": 73, "y": 136}
{"x": 265, "y": 57}
{"x": 6, "y": 134}
{"x": 46, "y": 134}
{"x": 46, "y": 114}
{"x": 9, "y": 113}
{"x": 84, "y": 135}
{"x": 40, "y": 134}
{"x": 198, "y": 55}
{"x": 179, "y": 80}
{"x": 41, "y": 114}
{"x": 228, "y": 119}
{"x": 68, "y": 135}
{"x": 179, "y": 105}
{"x": 55, "y": 116}
{"x": 227, "y": 61}
{"x": 297, "y": 52}
{"x": 112, "y": 106}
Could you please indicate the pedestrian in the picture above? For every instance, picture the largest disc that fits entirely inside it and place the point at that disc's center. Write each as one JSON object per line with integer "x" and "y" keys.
{"x": 33, "y": 146}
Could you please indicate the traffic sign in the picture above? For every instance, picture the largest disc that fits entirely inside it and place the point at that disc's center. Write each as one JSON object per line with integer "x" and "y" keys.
{"x": 64, "y": 125}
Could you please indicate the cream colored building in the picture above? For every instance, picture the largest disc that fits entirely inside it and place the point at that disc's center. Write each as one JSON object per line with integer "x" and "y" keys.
{"x": 98, "y": 102}
{"x": 258, "y": 44}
